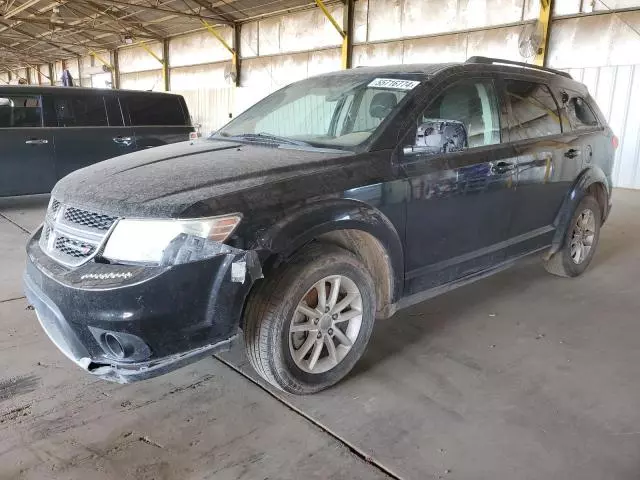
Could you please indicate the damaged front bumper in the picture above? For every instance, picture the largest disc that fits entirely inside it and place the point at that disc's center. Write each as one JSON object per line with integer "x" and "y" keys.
{"x": 127, "y": 323}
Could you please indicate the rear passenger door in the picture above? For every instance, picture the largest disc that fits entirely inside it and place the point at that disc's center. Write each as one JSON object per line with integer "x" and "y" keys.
{"x": 581, "y": 119}
{"x": 157, "y": 119}
{"x": 26, "y": 148}
{"x": 548, "y": 162}
{"x": 89, "y": 128}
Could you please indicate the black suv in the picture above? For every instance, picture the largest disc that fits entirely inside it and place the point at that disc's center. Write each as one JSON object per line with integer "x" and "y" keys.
{"x": 48, "y": 132}
{"x": 332, "y": 203}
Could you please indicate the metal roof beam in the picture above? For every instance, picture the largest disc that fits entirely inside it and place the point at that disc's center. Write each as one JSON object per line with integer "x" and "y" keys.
{"x": 79, "y": 27}
{"x": 20, "y": 8}
{"x": 134, "y": 25}
{"x": 160, "y": 9}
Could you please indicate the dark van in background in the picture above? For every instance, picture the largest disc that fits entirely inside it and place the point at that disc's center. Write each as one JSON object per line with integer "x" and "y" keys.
{"x": 48, "y": 132}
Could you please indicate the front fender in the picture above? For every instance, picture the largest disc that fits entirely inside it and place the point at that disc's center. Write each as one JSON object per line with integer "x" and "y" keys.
{"x": 310, "y": 221}
{"x": 588, "y": 177}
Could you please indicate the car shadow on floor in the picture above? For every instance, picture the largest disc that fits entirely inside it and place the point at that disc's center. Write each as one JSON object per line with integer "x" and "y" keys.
{"x": 411, "y": 326}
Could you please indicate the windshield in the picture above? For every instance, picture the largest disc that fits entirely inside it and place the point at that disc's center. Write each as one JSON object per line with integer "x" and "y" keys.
{"x": 334, "y": 111}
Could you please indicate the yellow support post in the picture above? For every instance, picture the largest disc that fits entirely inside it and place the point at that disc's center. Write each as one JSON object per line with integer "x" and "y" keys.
{"x": 163, "y": 62}
{"x": 100, "y": 59}
{"x": 345, "y": 33}
{"x": 546, "y": 8}
{"x": 235, "y": 61}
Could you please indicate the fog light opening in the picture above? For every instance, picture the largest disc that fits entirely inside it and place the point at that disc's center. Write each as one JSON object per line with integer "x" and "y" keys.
{"x": 114, "y": 346}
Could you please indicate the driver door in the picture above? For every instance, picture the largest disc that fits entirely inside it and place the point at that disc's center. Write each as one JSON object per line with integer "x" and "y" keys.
{"x": 461, "y": 190}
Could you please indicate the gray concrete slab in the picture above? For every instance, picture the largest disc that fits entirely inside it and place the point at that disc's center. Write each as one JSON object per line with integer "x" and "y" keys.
{"x": 523, "y": 375}
{"x": 12, "y": 255}
{"x": 25, "y": 212}
{"x": 202, "y": 422}
{"x": 18, "y": 217}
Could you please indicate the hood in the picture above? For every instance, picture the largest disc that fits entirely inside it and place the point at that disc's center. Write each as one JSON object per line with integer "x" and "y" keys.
{"x": 165, "y": 181}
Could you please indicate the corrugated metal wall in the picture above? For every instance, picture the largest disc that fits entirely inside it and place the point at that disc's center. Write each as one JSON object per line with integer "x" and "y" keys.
{"x": 617, "y": 91}
{"x": 210, "y": 107}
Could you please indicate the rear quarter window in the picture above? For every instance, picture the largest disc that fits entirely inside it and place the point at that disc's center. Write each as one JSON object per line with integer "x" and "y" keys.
{"x": 580, "y": 114}
{"x": 155, "y": 110}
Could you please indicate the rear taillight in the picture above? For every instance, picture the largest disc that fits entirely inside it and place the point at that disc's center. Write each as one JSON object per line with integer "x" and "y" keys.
{"x": 193, "y": 136}
{"x": 615, "y": 142}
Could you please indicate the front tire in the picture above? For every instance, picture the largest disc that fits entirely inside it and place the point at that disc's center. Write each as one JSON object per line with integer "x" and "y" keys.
{"x": 580, "y": 242}
{"x": 308, "y": 324}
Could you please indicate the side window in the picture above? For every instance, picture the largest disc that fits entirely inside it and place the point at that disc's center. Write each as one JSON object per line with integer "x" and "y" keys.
{"x": 533, "y": 113}
{"x": 114, "y": 114}
{"x": 466, "y": 115}
{"x": 580, "y": 114}
{"x": 150, "y": 110}
{"x": 80, "y": 111}
{"x": 16, "y": 111}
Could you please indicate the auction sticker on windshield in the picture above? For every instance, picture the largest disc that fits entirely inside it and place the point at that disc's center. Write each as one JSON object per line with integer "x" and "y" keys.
{"x": 394, "y": 83}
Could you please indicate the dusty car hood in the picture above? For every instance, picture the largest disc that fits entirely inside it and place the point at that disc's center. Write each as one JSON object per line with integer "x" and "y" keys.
{"x": 165, "y": 181}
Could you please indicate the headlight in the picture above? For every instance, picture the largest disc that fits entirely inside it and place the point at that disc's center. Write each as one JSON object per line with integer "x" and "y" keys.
{"x": 145, "y": 241}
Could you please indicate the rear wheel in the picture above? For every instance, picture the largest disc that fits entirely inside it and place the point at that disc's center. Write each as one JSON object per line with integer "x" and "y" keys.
{"x": 580, "y": 241}
{"x": 307, "y": 325}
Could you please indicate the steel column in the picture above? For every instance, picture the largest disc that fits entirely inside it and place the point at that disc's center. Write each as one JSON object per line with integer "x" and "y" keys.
{"x": 235, "y": 61}
{"x": 115, "y": 72}
{"x": 345, "y": 33}
{"x": 166, "y": 74}
{"x": 546, "y": 8}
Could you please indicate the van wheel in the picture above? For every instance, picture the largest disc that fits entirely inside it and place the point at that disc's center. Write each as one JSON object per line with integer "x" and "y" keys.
{"x": 580, "y": 241}
{"x": 307, "y": 325}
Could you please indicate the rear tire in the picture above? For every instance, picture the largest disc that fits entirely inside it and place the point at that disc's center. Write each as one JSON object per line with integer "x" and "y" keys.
{"x": 580, "y": 241}
{"x": 299, "y": 342}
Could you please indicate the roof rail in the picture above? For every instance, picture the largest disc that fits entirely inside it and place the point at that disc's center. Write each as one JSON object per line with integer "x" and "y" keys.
{"x": 489, "y": 60}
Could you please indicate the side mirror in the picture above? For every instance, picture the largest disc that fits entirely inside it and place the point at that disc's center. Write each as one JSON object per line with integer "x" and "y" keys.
{"x": 439, "y": 136}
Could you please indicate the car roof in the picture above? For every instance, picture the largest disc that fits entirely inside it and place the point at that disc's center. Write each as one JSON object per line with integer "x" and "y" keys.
{"x": 429, "y": 70}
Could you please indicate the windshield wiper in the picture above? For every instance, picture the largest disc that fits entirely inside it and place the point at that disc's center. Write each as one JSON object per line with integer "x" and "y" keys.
{"x": 272, "y": 138}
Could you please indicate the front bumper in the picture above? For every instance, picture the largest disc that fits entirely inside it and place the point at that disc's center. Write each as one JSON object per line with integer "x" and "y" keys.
{"x": 161, "y": 318}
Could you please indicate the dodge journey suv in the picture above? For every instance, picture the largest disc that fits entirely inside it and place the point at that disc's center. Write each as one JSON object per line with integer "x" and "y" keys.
{"x": 332, "y": 203}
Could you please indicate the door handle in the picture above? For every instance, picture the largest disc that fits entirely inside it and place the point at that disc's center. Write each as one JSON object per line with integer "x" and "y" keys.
{"x": 501, "y": 167}
{"x": 572, "y": 153}
{"x": 124, "y": 141}
{"x": 37, "y": 141}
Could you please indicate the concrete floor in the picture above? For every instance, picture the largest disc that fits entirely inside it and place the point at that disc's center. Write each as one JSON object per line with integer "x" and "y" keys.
{"x": 520, "y": 376}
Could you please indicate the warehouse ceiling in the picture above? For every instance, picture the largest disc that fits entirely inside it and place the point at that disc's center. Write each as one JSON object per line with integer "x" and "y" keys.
{"x": 41, "y": 31}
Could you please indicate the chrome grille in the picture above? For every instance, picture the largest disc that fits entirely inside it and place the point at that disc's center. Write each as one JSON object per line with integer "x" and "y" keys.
{"x": 88, "y": 219}
{"x": 72, "y": 236}
{"x": 73, "y": 248}
{"x": 55, "y": 206}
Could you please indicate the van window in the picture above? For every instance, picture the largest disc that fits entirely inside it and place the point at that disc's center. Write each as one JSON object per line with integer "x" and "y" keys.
{"x": 80, "y": 111}
{"x": 154, "y": 110}
{"x": 114, "y": 114}
{"x": 472, "y": 104}
{"x": 533, "y": 113}
{"x": 580, "y": 114}
{"x": 16, "y": 111}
